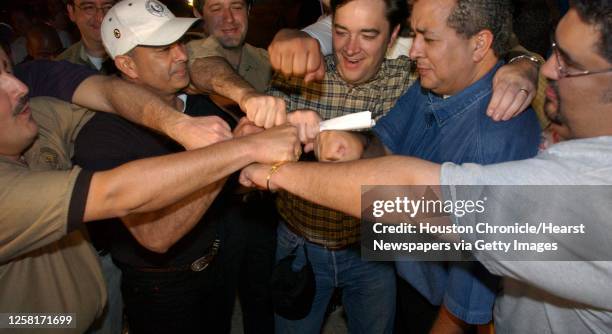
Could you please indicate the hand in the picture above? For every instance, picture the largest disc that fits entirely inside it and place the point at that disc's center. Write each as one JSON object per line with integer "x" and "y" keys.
{"x": 274, "y": 145}
{"x": 339, "y": 146}
{"x": 255, "y": 176}
{"x": 295, "y": 53}
{"x": 514, "y": 87}
{"x": 307, "y": 122}
{"x": 264, "y": 110}
{"x": 245, "y": 128}
{"x": 198, "y": 132}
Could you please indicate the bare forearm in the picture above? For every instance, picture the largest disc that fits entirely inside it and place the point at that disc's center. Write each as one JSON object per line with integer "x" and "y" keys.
{"x": 151, "y": 184}
{"x": 214, "y": 74}
{"x": 135, "y": 103}
{"x": 159, "y": 230}
{"x": 338, "y": 185}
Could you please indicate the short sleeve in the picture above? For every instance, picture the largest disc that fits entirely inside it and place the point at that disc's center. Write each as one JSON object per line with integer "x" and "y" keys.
{"x": 58, "y": 79}
{"x": 35, "y": 207}
{"x": 202, "y": 48}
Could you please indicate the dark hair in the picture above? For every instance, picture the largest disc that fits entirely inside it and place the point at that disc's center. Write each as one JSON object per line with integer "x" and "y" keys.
{"x": 472, "y": 16}
{"x": 599, "y": 14}
{"x": 396, "y": 13}
{"x": 199, "y": 4}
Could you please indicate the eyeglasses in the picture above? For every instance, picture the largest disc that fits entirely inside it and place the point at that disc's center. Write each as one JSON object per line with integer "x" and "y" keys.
{"x": 562, "y": 70}
{"x": 91, "y": 9}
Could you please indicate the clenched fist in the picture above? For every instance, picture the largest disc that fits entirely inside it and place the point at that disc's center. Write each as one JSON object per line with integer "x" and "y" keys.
{"x": 339, "y": 146}
{"x": 264, "y": 110}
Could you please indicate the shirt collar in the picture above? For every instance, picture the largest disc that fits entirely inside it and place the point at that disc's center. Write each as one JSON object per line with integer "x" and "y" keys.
{"x": 444, "y": 109}
{"x": 331, "y": 67}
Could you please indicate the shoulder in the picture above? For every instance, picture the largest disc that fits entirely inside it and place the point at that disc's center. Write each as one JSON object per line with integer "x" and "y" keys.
{"x": 258, "y": 55}
{"x": 55, "y": 115}
{"x": 202, "y": 48}
{"x": 70, "y": 53}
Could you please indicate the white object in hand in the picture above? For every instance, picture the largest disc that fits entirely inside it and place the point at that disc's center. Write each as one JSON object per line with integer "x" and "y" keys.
{"x": 357, "y": 121}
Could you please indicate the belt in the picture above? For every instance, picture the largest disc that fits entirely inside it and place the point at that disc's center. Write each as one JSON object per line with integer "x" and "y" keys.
{"x": 197, "y": 265}
{"x": 320, "y": 244}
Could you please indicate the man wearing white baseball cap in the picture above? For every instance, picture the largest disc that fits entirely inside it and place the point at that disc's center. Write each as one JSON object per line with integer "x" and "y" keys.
{"x": 136, "y": 22}
{"x": 171, "y": 278}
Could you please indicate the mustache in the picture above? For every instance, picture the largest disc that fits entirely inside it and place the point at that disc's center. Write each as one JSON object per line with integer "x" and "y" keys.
{"x": 23, "y": 101}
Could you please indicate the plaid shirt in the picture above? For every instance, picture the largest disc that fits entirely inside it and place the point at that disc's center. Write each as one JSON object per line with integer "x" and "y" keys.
{"x": 331, "y": 98}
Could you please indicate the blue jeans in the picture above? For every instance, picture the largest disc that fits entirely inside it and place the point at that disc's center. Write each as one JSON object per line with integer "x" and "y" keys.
{"x": 368, "y": 288}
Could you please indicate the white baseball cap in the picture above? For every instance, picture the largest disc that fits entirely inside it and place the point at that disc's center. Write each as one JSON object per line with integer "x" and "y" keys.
{"x": 141, "y": 22}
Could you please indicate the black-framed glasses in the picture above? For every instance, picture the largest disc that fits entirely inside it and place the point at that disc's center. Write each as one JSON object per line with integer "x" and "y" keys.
{"x": 91, "y": 9}
{"x": 562, "y": 70}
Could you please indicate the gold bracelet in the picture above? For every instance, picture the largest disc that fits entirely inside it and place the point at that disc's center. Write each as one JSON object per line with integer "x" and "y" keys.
{"x": 273, "y": 170}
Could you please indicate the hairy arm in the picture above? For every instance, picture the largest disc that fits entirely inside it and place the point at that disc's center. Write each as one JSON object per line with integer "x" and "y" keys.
{"x": 338, "y": 185}
{"x": 214, "y": 74}
{"x": 139, "y": 105}
{"x": 151, "y": 184}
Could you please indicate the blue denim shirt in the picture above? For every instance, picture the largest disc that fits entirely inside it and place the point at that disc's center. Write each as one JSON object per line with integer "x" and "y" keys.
{"x": 456, "y": 129}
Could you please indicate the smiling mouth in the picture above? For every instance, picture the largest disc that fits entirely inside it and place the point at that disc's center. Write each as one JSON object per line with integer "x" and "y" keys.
{"x": 230, "y": 31}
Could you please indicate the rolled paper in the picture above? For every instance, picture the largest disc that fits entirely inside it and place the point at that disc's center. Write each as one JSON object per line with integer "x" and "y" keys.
{"x": 357, "y": 121}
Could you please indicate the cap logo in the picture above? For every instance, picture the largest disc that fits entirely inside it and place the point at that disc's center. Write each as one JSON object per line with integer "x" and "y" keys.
{"x": 155, "y": 8}
{"x": 117, "y": 33}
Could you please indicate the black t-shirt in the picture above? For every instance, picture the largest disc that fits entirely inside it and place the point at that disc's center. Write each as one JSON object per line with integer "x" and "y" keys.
{"x": 108, "y": 141}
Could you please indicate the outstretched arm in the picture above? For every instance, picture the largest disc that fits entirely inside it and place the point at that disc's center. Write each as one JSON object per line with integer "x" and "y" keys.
{"x": 139, "y": 105}
{"x": 154, "y": 183}
{"x": 338, "y": 185}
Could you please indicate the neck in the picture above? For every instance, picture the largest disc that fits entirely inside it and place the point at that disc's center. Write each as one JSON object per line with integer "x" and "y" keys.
{"x": 94, "y": 48}
{"x": 484, "y": 67}
{"x": 233, "y": 56}
{"x": 476, "y": 73}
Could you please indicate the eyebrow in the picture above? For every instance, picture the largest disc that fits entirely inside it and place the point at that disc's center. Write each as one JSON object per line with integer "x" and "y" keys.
{"x": 367, "y": 30}
{"x": 565, "y": 54}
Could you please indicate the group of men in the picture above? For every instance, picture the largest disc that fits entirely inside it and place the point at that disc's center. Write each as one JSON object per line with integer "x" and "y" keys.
{"x": 182, "y": 219}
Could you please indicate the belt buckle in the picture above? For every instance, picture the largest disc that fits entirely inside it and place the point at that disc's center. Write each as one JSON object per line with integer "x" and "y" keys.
{"x": 203, "y": 262}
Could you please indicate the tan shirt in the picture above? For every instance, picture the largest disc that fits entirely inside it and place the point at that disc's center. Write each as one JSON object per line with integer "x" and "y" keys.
{"x": 42, "y": 268}
{"x": 254, "y": 64}
{"x": 76, "y": 54}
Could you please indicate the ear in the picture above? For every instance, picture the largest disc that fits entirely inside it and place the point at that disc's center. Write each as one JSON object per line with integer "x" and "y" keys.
{"x": 127, "y": 66}
{"x": 393, "y": 37}
{"x": 197, "y": 13}
{"x": 70, "y": 9}
{"x": 481, "y": 43}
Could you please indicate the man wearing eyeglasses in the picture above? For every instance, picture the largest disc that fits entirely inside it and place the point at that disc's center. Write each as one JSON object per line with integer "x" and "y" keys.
{"x": 89, "y": 51}
{"x": 537, "y": 297}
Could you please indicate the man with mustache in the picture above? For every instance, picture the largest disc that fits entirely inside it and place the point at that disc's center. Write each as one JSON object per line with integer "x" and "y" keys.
{"x": 48, "y": 265}
{"x": 171, "y": 280}
{"x": 543, "y": 297}
{"x": 443, "y": 118}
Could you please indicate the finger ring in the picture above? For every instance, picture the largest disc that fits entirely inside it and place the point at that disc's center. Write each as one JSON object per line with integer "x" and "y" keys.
{"x": 524, "y": 90}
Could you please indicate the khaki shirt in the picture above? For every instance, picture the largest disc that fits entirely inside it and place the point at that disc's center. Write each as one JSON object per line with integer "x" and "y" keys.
{"x": 76, "y": 54}
{"x": 254, "y": 64}
{"x": 42, "y": 268}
